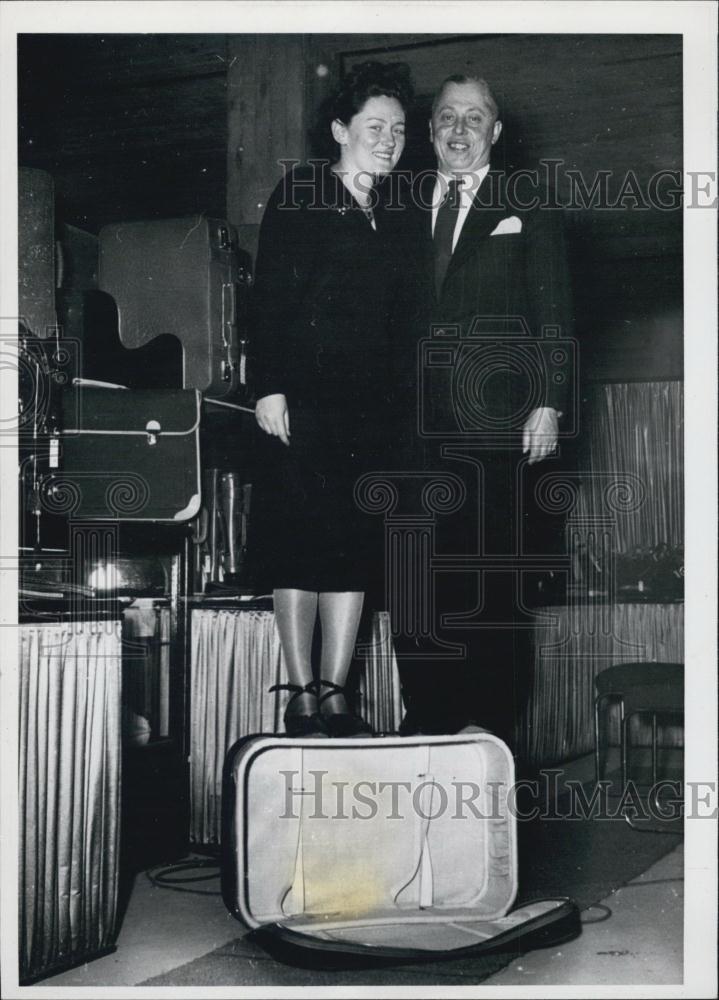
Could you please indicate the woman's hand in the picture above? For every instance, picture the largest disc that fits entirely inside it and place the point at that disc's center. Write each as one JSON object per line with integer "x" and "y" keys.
{"x": 272, "y": 416}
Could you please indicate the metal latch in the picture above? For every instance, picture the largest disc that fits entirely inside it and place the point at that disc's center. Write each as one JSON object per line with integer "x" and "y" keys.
{"x": 229, "y": 368}
{"x": 153, "y": 429}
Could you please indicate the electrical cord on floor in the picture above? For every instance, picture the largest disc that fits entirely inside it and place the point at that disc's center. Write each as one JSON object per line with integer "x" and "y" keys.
{"x": 164, "y": 878}
{"x": 607, "y": 913}
{"x": 653, "y": 829}
{"x": 653, "y": 881}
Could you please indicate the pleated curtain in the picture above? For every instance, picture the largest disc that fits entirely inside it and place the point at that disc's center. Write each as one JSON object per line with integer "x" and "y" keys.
{"x": 69, "y": 792}
{"x": 380, "y": 690}
{"x": 637, "y": 428}
{"x": 635, "y": 432}
{"x": 569, "y": 653}
{"x": 236, "y": 657}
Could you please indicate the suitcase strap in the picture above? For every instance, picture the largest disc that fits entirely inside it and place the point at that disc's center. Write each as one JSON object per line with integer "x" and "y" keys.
{"x": 418, "y": 890}
{"x": 292, "y": 901}
{"x": 423, "y": 873}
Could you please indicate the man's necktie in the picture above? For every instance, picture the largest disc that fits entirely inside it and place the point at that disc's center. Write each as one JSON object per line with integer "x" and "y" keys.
{"x": 444, "y": 232}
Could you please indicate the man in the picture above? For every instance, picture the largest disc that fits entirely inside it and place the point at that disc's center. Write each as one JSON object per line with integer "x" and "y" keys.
{"x": 495, "y": 274}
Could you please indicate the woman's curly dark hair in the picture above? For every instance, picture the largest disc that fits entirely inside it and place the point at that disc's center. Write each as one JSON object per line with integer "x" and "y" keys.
{"x": 365, "y": 80}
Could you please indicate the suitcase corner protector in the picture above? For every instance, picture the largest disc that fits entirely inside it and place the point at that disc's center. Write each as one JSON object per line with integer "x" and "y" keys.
{"x": 190, "y": 511}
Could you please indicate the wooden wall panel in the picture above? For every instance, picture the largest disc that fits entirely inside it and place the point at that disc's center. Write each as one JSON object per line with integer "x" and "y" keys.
{"x": 600, "y": 102}
{"x": 595, "y": 103}
{"x": 130, "y": 126}
{"x": 267, "y": 122}
{"x": 108, "y": 61}
{"x": 136, "y": 126}
{"x": 158, "y": 102}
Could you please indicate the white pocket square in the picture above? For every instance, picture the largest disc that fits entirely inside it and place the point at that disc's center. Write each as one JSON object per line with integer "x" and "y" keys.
{"x": 509, "y": 225}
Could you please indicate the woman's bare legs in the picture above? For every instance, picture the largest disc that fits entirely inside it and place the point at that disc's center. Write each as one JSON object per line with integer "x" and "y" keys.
{"x": 339, "y": 616}
{"x": 295, "y": 614}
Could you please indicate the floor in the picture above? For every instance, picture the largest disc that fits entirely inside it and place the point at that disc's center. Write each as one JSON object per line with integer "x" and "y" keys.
{"x": 640, "y": 942}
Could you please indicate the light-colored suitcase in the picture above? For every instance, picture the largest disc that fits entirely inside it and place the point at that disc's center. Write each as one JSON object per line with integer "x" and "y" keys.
{"x": 378, "y": 850}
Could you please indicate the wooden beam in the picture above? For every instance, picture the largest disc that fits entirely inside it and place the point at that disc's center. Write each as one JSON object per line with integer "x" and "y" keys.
{"x": 267, "y": 122}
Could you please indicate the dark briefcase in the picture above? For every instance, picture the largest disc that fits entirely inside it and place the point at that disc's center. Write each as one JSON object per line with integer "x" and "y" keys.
{"x": 128, "y": 454}
{"x": 378, "y": 851}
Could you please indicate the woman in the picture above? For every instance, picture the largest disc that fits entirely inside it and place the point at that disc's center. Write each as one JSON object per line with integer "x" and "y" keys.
{"x": 323, "y": 299}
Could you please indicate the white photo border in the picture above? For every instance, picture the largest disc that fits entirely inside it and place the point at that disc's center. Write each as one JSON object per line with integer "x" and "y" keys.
{"x": 697, "y": 23}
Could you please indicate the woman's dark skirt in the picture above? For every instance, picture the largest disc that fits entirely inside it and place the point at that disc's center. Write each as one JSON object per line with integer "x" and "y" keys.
{"x": 307, "y": 531}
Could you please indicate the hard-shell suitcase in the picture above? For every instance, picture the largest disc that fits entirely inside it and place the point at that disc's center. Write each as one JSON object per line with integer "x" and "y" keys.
{"x": 127, "y": 455}
{"x": 338, "y": 853}
{"x": 186, "y": 277}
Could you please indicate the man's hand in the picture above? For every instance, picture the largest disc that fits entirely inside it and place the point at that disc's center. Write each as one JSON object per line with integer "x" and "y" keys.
{"x": 540, "y": 433}
{"x": 272, "y": 416}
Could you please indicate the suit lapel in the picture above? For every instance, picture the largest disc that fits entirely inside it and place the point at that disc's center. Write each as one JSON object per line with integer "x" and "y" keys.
{"x": 486, "y": 211}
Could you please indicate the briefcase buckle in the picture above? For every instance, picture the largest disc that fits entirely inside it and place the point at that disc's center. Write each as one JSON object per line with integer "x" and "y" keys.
{"x": 152, "y": 427}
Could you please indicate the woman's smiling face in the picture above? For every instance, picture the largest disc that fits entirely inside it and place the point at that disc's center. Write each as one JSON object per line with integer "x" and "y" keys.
{"x": 373, "y": 140}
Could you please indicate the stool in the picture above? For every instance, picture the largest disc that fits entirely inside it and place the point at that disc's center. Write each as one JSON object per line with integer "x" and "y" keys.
{"x": 655, "y": 689}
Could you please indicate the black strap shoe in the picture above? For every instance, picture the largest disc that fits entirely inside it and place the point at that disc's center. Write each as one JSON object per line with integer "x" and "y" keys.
{"x": 300, "y": 725}
{"x": 342, "y": 724}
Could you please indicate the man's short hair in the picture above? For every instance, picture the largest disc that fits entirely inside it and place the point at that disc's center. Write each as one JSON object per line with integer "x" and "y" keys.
{"x": 466, "y": 78}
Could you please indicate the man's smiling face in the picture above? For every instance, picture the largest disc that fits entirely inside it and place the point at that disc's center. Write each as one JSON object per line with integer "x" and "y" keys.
{"x": 464, "y": 127}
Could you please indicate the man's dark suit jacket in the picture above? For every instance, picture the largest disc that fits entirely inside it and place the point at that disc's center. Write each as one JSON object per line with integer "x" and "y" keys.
{"x": 494, "y": 282}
